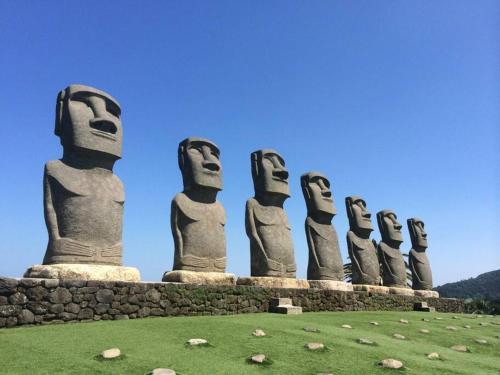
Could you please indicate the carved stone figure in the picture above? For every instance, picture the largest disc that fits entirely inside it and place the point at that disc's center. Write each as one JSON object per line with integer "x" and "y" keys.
{"x": 393, "y": 264}
{"x": 83, "y": 199}
{"x": 419, "y": 264}
{"x": 271, "y": 247}
{"x": 325, "y": 261}
{"x": 362, "y": 252}
{"x": 197, "y": 218}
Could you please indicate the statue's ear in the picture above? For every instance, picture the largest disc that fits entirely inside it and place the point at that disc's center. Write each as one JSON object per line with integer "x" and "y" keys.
{"x": 305, "y": 187}
{"x": 180, "y": 157}
{"x": 411, "y": 229}
{"x": 255, "y": 166}
{"x": 59, "y": 113}
{"x": 348, "y": 207}
{"x": 380, "y": 222}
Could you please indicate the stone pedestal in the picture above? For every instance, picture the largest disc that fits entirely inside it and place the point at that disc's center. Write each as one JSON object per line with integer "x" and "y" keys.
{"x": 423, "y": 306}
{"x": 330, "y": 285}
{"x": 426, "y": 293}
{"x": 373, "y": 289}
{"x": 284, "y": 306}
{"x": 200, "y": 278}
{"x": 83, "y": 272}
{"x": 273, "y": 282}
{"x": 401, "y": 291}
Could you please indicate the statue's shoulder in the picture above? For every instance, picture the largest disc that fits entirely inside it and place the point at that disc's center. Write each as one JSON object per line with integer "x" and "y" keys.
{"x": 419, "y": 257}
{"x": 325, "y": 231}
{"x": 389, "y": 251}
{"x": 71, "y": 179}
{"x": 267, "y": 215}
{"x": 197, "y": 211}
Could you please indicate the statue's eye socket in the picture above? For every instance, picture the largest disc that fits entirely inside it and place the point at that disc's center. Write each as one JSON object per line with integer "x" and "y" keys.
{"x": 113, "y": 109}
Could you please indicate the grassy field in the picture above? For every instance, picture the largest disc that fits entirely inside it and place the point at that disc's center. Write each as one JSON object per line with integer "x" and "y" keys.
{"x": 160, "y": 342}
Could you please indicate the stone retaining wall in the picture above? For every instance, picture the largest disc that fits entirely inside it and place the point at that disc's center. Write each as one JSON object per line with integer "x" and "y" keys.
{"x": 45, "y": 301}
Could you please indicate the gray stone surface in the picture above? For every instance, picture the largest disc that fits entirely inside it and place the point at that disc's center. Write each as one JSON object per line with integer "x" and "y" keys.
{"x": 283, "y": 306}
{"x": 418, "y": 261}
{"x": 267, "y": 227}
{"x": 77, "y": 300}
{"x": 393, "y": 264}
{"x": 111, "y": 353}
{"x": 362, "y": 252}
{"x": 197, "y": 219}
{"x": 325, "y": 261}
{"x": 83, "y": 199}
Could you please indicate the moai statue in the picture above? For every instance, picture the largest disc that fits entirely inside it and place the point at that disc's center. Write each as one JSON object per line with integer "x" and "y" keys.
{"x": 419, "y": 264}
{"x": 325, "y": 261}
{"x": 271, "y": 247}
{"x": 362, "y": 252}
{"x": 83, "y": 199}
{"x": 393, "y": 264}
{"x": 197, "y": 219}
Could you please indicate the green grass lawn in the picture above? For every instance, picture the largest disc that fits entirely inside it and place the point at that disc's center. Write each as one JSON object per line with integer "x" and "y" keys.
{"x": 160, "y": 342}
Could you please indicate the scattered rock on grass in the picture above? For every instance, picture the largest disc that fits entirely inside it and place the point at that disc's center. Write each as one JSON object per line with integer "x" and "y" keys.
{"x": 403, "y": 321}
{"x": 424, "y": 330}
{"x": 194, "y": 342}
{"x": 258, "y": 333}
{"x": 481, "y": 341}
{"x": 497, "y": 336}
{"x": 398, "y": 336}
{"x": 365, "y": 342}
{"x": 391, "y": 363}
{"x": 460, "y": 348}
{"x": 467, "y": 326}
{"x": 483, "y": 324}
{"x": 374, "y": 323}
{"x": 451, "y": 328}
{"x": 315, "y": 346}
{"x": 438, "y": 318}
{"x": 311, "y": 329}
{"x": 425, "y": 320}
{"x": 111, "y": 353}
{"x": 258, "y": 358}
{"x": 346, "y": 326}
{"x": 433, "y": 355}
{"x": 162, "y": 371}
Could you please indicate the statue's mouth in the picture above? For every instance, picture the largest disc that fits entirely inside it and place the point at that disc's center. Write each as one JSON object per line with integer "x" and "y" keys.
{"x": 280, "y": 175}
{"x": 104, "y": 128}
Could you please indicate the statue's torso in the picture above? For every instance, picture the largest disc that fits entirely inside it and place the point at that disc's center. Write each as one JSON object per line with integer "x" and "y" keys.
{"x": 393, "y": 266}
{"x": 201, "y": 227}
{"x": 364, "y": 260}
{"x": 421, "y": 270}
{"x": 88, "y": 204}
{"x": 326, "y": 250}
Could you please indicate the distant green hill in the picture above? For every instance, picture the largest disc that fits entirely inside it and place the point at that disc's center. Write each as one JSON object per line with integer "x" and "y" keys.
{"x": 485, "y": 286}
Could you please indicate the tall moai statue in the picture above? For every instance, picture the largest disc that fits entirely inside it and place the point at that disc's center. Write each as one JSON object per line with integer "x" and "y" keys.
{"x": 83, "y": 199}
{"x": 362, "y": 252}
{"x": 325, "y": 261}
{"x": 418, "y": 261}
{"x": 197, "y": 219}
{"x": 271, "y": 247}
{"x": 393, "y": 264}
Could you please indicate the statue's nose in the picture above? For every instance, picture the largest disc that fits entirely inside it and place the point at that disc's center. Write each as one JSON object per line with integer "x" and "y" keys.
{"x": 398, "y": 226}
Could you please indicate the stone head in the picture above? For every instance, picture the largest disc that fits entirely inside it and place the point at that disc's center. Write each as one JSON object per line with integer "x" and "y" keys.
{"x": 317, "y": 193}
{"x": 359, "y": 216}
{"x": 88, "y": 119}
{"x": 199, "y": 164}
{"x": 417, "y": 233}
{"x": 269, "y": 173}
{"x": 390, "y": 228}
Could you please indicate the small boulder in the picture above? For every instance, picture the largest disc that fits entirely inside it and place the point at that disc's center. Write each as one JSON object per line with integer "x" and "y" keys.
{"x": 162, "y": 371}
{"x": 111, "y": 353}
{"x": 391, "y": 363}
{"x": 467, "y": 326}
{"x": 365, "y": 342}
{"x": 195, "y": 342}
{"x": 374, "y": 323}
{"x": 460, "y": 348}
{"x": 398, "y": 336}
{"x": 438, "y": 318}
{"x": 433, "y": 355}
{"x": 481, "y": 341}
{"x": 315, "y": 346}
{"x": 258, "y": 358}
{"x": 311, "y": 329}
{"x": 403, "y": 321}
{"x": 483, "y": 324}
{"x": 258, "y": 333}
{"x": 425, "y": 320}
{"x": 451, "y": 328}
{"x": 346, "y": 326}
{"x": 424, "y": 330}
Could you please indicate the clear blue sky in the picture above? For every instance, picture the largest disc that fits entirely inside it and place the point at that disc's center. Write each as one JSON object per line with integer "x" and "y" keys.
{"x": 395, "y": 101}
